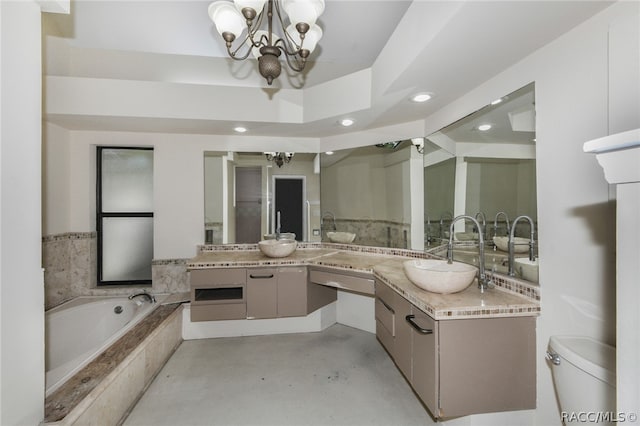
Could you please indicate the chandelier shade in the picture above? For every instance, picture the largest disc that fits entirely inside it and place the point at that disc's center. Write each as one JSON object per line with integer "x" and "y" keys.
{"x": 297, "y": 37}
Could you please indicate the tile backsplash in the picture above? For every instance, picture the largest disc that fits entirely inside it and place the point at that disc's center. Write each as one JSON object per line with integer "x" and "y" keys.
{"x": 69, "y": 261}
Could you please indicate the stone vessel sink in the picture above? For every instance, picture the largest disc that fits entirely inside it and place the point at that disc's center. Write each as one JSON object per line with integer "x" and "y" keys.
{"x": 438, "y": 276}
{"x": 521, "y": 246}
{"x": 527, "y": 269}
{"x": 341, "y": 237}
{"x": 277, "y": 248}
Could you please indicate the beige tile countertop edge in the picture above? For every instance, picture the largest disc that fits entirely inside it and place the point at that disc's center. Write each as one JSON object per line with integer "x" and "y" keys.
{"x": 468, "y": 304}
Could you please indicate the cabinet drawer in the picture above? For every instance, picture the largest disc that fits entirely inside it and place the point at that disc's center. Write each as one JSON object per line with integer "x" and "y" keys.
{"x": 385, "y": 293}
{"x": 218, "y": 312}
{"x": 347, "y": 282}
{"x": 384, "y": 336}
{"x": 385, "y": 316}
{"x": 203, "y": 277}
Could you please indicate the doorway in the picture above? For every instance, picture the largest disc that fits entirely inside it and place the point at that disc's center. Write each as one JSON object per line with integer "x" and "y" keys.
{"x": 289, "y": 196}
{"x": 248, "y": 211}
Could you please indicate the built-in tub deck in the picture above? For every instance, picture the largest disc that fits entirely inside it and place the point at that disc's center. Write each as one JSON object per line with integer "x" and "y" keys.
{"x": 77, "y": 388}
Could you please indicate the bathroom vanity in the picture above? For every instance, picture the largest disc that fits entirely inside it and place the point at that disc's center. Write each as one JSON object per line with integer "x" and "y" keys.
{"x": 463, "y": 366}
{"x": 255, "y": 293}
{"x": 463, "y": 353}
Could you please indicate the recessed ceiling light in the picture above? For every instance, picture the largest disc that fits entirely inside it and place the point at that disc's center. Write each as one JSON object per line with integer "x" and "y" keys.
{"x": 496, "y": 102}
{"x": 421, "y": 97}
{"x": 346, "y": 122}
{"x": 484, "y": 127}
{"x": 329, "y": 152}
{"x": 240, "y": 129}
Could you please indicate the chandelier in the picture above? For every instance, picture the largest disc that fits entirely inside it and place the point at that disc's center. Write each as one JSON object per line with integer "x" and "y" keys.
{"x": 297, "y": 40}
{"x": 279, "y": 158}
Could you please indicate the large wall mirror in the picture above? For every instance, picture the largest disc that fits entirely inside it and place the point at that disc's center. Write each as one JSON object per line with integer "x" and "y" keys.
{"x": 483, "y": 166}
{"x": 366, "y": 194}
{"x": 245, "y": 194}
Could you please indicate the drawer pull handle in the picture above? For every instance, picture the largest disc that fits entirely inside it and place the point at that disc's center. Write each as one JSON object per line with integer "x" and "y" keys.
{"x": 419, "y": 329}
{"x": 387, "y": 306}
{"x": 261, "y": 277}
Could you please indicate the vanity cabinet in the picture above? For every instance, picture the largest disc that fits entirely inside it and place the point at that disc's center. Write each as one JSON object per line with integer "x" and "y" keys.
{"x": 277, "y": 292}
{"x": 255, "y": 293}
{"x": 459, "y": 367}
{"x": 218, "y": 294}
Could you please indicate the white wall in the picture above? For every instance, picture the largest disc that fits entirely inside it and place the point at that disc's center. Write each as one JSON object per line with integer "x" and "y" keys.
{"x": 576, "y": 218}
{"x": 21, "y": 279}
{"x": 178, "y": 180}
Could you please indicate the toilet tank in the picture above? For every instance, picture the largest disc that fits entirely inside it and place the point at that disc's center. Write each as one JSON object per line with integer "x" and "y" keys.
{"x": 584, "y": 374}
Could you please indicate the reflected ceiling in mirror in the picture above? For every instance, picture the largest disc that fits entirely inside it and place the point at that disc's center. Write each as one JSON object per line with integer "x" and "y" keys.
{"x": 482, "y": 165}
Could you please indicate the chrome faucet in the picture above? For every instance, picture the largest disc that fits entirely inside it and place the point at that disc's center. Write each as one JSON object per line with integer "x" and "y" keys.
{"x": 428, "y": 229}
{"x": 150, "y": 297}
{"x": 278, "y": 225}
{"x": 532, "y": 255}
{"x": 484, "y": 221}
{"x": 333, "y": 220}
{"x": 445, "y": 215}
{"x": 483, "y": 282}
{"x": 495, "y": 223}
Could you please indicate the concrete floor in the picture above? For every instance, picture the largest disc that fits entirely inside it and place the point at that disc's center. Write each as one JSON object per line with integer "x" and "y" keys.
{"x": 340, "y": 376}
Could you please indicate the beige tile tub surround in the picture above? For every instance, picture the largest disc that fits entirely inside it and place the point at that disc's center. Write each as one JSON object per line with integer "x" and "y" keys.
{"x": 69, "y": 262}
{"x": 510, "y": 297}
{"x": 104, "y": 391}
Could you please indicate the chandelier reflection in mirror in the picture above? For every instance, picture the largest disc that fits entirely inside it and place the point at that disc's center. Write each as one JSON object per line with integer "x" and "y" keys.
{"x": 297, "y": 39}
{"x": 279, "y": 158}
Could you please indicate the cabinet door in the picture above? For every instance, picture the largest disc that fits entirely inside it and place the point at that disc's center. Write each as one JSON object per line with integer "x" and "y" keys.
{"x": 292, "y": 292}
{"x": 487, "y": 365}
{"x": 402, "y": 346}
{"x": 424, "y": 377}
{"x": 262, "y": 293}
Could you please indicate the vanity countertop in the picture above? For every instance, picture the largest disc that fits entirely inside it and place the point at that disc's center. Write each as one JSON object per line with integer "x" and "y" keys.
{"x": 467, "y": 304}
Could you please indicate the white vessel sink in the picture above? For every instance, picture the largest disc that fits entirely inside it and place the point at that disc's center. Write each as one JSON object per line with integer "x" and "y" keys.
{"x": 438, "y": 276}
{"x": 341, "y": 237}
{"x": 526, "y": 268}
{"x": 521, "y": 244}
{"x": 277, "y": 248}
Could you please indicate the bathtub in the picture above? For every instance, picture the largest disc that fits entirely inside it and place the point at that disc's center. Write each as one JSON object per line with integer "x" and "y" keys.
{"x": 78, "y": 331}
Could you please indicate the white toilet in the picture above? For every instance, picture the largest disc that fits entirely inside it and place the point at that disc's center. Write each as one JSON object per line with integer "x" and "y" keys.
{"x": 584, "y": 374}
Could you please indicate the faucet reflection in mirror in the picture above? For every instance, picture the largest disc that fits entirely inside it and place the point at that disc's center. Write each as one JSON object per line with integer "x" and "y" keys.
{"x": 495, "y": 223}
{"x": 512, "y": 243}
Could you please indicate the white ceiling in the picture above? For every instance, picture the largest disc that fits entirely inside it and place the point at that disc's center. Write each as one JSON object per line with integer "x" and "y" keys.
{"x": 447, "y": 48}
